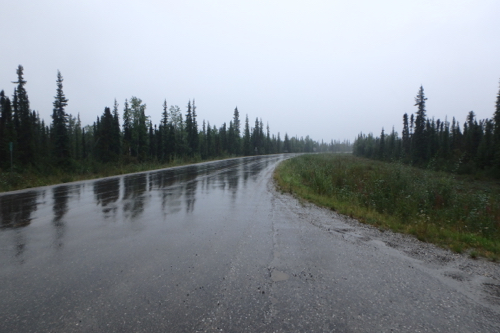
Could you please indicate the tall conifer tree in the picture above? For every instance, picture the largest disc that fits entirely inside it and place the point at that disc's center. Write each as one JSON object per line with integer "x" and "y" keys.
{"x": 104, "y": 136}
{"x": 116, "y": 133}
{"x": 246, "y": 138}
{"x": 127, "y": 130}
{"x": 7, "y": 133}
{"x": 406, "y": 137}
{"x": 189, "y": 128}
{"x": 60, "y": 138}
{"x": 235, "y": 134}
{"x": 139, "y": 143}
{"x": 496, "y": 134}
{"x": 164, "y": 134}
{"x": 196, "y": 139}
{"x": 23, "y": 121}
{"x": 286, "y": 144}
{"x": 419, "y": 144}
{"x": 381, "y": 151}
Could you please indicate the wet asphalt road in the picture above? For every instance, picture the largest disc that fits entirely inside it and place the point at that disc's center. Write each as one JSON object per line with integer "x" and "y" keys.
{"x": 209, "y": 248}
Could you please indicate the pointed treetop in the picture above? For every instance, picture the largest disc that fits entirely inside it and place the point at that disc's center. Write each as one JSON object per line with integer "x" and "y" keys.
{"x": 19, "y": 73}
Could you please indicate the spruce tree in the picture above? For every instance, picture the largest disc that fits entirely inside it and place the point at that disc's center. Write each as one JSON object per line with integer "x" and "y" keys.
{"x": 496, "y": 119}
{"x": 78, "y": 138}
{"x": 152, "y": 142}
{"x": 445, "y": 141}
{"x": 60, "y": 138}
{"x": 485, "y": 153}
{"x": 116, "y": 133}
{"x": 419, "y": 142}
{"x": 22, "y": 119}
{"x": 432, "y": 141}
{"x": 256, "y": 137}
{"x": 235, "y": 135}
{"x": 279, "y": 148}
{"x": 139, "y": 143}
{"x": 37, "y": 135}
{"x": 71, "y": 131}
{"x": 158, "y": 139}
{"x": 223, "y": 139}
{"x": 44, "y": 149}
{"x": 210, "y": 141}
{"x": 268, "y": 140}
{"x": 472, "y": 137}
{"x": 381, "y": 151}
{"x": 286, "y": 144}
{"x": 104, "y": 136}
{"x": 262, "y": 144}
{"x": 164, "y": 134}
{"x": 406, "y": 137}
{"x": 496, "y": 135}
{"x": 246, "y": 139}
{"x": 196, "y": 140}
{"x": 202, "y": 139}
{"x": 189, "y": 128}
{"x": 230, "y": 139}
{"x": 127, "y": 130}
{"x": 392, "y": 149}
{"x": 84, "y": 145}
{"x": 456, "y": 136}
{"x": 7, "y": 133}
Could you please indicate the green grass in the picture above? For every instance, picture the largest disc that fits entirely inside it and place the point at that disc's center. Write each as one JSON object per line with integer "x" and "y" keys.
{"x": 456, "y": 213}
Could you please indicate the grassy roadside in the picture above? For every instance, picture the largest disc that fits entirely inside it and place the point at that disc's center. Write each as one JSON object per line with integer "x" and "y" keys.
{"x": 456, "y": 213}
{"x": 10, "y": 181}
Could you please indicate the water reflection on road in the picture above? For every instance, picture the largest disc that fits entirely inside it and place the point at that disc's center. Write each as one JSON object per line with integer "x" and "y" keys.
{"x": 52, "y": 216}
{"x": 86, "y": 253}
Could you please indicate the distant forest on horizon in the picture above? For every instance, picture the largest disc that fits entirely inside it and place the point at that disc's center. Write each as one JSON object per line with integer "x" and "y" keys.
{"x": 437, "y": 144}
{"x": 64, "y": 144}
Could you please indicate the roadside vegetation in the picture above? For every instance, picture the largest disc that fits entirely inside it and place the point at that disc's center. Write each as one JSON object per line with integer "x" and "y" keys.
{"x": 32, "y": 177}
{"x": 34, "y": 152}
{"x": 473, "y": 149}
{"x": 452, "y": 211}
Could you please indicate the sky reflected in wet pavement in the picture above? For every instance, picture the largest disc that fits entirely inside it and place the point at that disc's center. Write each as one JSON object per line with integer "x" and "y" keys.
{"x": 80, "y": 256}
{"x": 50, "y": 217}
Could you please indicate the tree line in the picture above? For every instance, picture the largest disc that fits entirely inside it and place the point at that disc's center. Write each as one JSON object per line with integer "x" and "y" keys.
{"x": 65, "y": 143}
{"x": 438, "y": 144}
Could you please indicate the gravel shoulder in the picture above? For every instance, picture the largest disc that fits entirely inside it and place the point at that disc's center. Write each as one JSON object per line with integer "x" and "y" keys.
{"x": 478, "y": 279}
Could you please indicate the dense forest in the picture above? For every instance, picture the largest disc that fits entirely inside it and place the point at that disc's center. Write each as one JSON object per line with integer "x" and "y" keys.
{"x": 28, "y": 142}
{"x": 438, "y": 144}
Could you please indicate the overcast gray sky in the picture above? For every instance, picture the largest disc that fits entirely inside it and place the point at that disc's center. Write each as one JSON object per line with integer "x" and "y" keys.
{"x": 328, "y": 69}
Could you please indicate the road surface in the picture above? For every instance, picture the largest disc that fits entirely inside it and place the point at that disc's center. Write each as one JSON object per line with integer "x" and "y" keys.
{"x": 215, "y": 248}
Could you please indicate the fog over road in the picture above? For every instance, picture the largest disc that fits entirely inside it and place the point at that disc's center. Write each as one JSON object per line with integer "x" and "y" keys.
{"x": 214, "y": 247}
